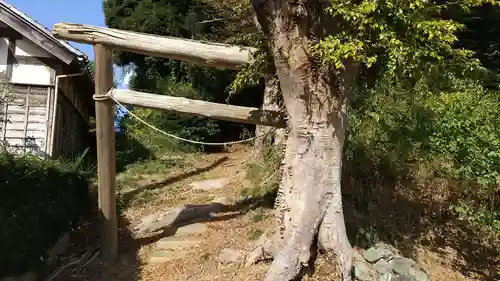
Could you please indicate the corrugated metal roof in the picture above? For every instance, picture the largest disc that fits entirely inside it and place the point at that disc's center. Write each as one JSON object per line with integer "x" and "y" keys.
{"x": 44, "y": 30}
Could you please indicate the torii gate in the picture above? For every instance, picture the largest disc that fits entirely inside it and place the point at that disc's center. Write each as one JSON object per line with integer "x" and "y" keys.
{"x": 202, "y": 53}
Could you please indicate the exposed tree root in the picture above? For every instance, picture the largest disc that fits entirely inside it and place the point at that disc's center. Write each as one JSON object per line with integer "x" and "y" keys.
{"x": 332, "y": 239}
{"x": 264, "y": 249}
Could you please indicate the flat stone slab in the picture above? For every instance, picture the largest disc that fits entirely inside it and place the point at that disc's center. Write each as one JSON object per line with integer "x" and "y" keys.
{"x": 178, "y": 216}
{"x": 382, "y": 267}
{"x": 377, "y": 252}
{"x": 401, "y": 265}
{"x": 177, "y": 243}
{"x": 230, "y": 255}
{"x": 61, "y": 245}
{"x": 419, "y": 274}
{"x": 386, "y": 277}
{"x": 195, "y": 228}
{"x": 158, "y": 221}
{"x": 163, "y": 256}
{"x": 208, "y": 185}
{"x": 221, "y": 200}
{"x": 29, "y": 276}
{"x": 364, "y": 272}
{"x": 404, "y": 277}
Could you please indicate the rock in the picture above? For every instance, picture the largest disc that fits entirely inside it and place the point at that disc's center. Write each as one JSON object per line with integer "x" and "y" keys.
{"x": 254, "y": 256}
{"x": 419, "y": 274}
{"x": 179, "y": 216}
{"x": 230, "y": 255}
{"x": 195, "y": 228}
{"x": 146, "y": 221}
{"x": 30, "y": 276}
{"x": 364, "y": 272}
{"x": 382, "y": 267}
{"x": 61, "y": 245}
{"x": 404, "y": 277}
{"x": 171, "y": 157}
{"x": 401, "y": 265}
{"x": 158, "y": 221}
{"x": 387, "y": 277}
{"x": 357, "y": 256}
{"x": 221, "y": 200}
{"x": 208, "y": 185}
{"x": 379, "y": 251}
{"x": 163, "y": 256}
{"x": 58, "y": 249}
{"x": 263, "y": 249}
{"x": 51, "y": 259}
{"x": 176, "y": 243}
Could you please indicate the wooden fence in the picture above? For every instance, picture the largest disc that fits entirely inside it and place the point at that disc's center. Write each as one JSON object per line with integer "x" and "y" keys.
{"x": 202, "y": 53}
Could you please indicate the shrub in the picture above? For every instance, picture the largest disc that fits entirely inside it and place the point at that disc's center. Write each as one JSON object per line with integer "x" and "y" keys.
{"x": 40, "y": 201}
{"x": 465, "y": 140}
{"x": 453, "y": 131}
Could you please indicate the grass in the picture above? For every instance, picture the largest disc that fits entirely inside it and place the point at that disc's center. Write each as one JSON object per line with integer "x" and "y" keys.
{"x": 264, "y": 173}
{"x": 258, "y": 217}
{"x": 255, "y": 234}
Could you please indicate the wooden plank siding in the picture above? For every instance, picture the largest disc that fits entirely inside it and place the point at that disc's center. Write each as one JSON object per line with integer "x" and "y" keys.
{"x": 26, "y": 119}
{"x": 28, "y": 124}
{"x": 72, "y": 130}
{"x": 74, "y": 96}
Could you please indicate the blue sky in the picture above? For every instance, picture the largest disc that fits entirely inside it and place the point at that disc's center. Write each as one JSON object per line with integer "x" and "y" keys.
{"x": 50, "y": 12}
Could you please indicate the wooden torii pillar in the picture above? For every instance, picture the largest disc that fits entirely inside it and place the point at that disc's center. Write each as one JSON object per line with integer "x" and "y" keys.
{"x": 201, "y": 53}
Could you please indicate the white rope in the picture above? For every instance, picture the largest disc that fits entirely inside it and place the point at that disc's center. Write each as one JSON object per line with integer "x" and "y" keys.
{"x": 110, "y": 95}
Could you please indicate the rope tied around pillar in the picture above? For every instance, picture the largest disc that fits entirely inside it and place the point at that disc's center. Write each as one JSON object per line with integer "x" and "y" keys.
{"x": 107, "y": 96}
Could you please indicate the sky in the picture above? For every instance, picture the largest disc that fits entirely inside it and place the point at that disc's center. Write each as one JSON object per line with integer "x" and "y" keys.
{"x": 50, "y": 12}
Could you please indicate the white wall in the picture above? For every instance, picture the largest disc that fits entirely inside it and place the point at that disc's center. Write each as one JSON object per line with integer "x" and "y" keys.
{"x": 4, "y": 47}
{"x": 27, "y": 49}
{"x": 34, "y": 74}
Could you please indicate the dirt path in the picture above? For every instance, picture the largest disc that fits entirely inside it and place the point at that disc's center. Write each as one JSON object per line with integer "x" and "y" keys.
{"x": 192, "y": 251}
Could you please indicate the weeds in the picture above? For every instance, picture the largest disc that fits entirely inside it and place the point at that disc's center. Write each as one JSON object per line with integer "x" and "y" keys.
{"x": 255, "y": 234}
{"x": 265, "y": 174}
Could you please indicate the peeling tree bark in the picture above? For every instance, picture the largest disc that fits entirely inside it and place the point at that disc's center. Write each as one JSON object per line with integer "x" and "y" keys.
{"x": 309, "y": 203}
{"x": 270, "y": 102}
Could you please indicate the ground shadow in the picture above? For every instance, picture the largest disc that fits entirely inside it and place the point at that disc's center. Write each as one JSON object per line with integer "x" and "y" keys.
{"x": 200, "y": 213}
{"x": 382, "y": 202}
{"x": 85, "y": 240}
{"x": 127, "y": 197}
{"x": 40, "y": 201}
{"x": 83, "y": 262}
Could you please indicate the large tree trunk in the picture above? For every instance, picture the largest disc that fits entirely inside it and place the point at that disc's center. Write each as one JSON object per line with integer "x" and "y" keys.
{"x": 309, "y": 202}
{"x": 270, "y": 102}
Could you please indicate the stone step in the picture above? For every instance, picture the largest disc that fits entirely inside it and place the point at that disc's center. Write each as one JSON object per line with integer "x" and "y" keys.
{"x": 177, "y": 243}
{"x": 163, "y": 256}
{"x": 208, "y": 185}
{"x": 195, "y": 228}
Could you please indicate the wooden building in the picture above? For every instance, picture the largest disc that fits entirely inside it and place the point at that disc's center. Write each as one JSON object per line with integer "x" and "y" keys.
{"x": 48, "y": 86}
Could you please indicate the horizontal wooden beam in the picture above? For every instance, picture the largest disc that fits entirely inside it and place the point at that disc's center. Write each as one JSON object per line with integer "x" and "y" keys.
{"x": 242, "y": 114}
{"x": 198, "y": 52}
